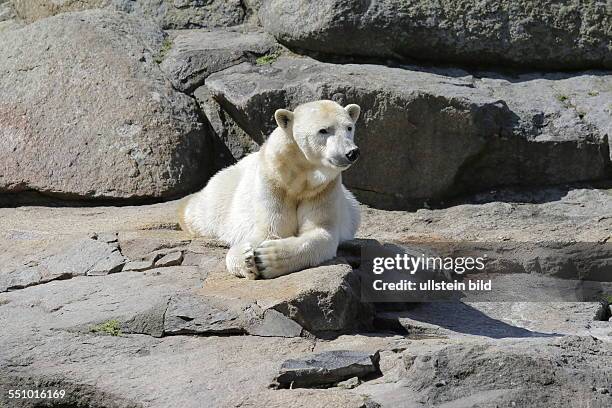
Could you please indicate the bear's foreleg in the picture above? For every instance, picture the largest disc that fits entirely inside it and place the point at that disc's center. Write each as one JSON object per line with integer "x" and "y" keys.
{"x": 279, "y": 257}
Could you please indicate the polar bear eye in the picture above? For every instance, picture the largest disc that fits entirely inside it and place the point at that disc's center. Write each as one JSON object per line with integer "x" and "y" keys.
{"x": 323, "y": 131}
{"x": 350, "y": 128}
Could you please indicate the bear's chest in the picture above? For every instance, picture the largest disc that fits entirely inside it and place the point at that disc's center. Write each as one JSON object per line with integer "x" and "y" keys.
{"x": 304, "y": 186}
{"x": 283, "y": 222}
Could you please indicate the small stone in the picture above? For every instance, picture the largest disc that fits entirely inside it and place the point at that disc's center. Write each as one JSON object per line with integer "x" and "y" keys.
{"x": 139, "y": 266}
{"x": 107, "y": 237}
{"x": 171, "y": 259}
{"x": 604, "y": 313}
{"x": 440, "y": 383}
{"x": 154, "y": 256}
{"x": 326, "y": 368}
{"x": 114, "y": 262}
{"x": 192, "y": 259}
{"x": 350, "y": 383}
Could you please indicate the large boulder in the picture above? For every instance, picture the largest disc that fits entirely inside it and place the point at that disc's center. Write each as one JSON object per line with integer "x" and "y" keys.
{"x": 528, "y": 33}
{"x": 8, "y": 19}
{"x": 86, "y": 112}
{"x": 538, "y": 372}
{"x": 427, "y": 136}
{"x": 187, "y": 13}
{"x": 195, "y": 54}
{"x": 167, "y": 13}
{"x": 32, "y": 10}
{"x": 6, "y": 11}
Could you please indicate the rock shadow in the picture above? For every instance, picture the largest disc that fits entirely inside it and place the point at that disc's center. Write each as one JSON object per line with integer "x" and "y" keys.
{"x": 460, "y": 318}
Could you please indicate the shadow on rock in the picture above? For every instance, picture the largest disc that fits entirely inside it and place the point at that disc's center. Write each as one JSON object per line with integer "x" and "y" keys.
{"x": 445, "y": 318}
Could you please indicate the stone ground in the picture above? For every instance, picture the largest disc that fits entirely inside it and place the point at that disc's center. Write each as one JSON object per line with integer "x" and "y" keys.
{"x": 183, "y": 333}
{"x": 119, "y": 308}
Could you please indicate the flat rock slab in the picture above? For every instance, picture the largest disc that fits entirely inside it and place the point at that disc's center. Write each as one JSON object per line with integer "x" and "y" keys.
{"x": 276, "y": 324}
{"x": 171, "y": 259}
{"x": 47, "y": 338}
{"x": 500, "y": 320}
{"x": 555, "y": 215}
{"x": 167, "y": 13}
{"x": 507, "y": 374}
{"x": 326, "y": 368}
{"x": 193, "y": 315}
{"x": 526, "y": 33}
{"x": 78, "y": 258}
{"x": 172, "y": 14}
{"x": 322, "y": 299}
{"x": 194, "y": 369}
{"x": 138, "y": 266}
{"x": 445, "y": 131}
{"x": 195, "y": 54}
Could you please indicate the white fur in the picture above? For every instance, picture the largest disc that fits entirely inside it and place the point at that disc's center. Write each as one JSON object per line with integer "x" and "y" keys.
{"x": 283, "y": 208}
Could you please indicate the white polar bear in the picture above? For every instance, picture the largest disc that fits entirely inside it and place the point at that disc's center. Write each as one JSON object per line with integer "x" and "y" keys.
{"x": 284, "y": 208}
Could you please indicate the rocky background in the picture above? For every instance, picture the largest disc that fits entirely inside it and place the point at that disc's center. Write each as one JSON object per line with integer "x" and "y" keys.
{"x": 482, "y": 121}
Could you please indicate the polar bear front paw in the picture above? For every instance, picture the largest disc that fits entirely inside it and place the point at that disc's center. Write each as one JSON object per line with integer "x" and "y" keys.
{"x": 273, "y": 259}
{"x": 250, "y": 267}
{"x": 240, "y": 262}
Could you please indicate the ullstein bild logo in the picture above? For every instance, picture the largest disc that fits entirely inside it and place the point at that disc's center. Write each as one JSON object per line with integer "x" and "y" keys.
{"x": 481, "y": 271}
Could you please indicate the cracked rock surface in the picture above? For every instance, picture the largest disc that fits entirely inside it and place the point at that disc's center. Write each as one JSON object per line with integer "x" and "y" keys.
{"x": 445, "y": 132}
{"x": 525, "y": 33}
{"x": 110, "y": 340}
{"x": 123, "y": 102}
{"x": 124, "y": 132}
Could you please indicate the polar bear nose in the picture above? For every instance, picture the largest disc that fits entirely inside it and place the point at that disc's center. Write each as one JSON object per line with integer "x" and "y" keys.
{"x": 353, "y": 155}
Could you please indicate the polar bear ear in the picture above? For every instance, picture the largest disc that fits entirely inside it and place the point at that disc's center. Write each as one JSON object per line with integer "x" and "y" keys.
{"x": 283, "y": 118}
{"x": 353, "y": 111}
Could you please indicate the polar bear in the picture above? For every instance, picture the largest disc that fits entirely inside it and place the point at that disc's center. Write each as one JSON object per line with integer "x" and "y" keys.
{"x": 283, "y": 208}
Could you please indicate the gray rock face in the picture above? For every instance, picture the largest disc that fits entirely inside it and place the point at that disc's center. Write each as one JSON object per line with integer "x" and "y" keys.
{"x": 139, "y": 266}
{"x": 196, "y": 54}
{"x": 194, "y": 315}
{"x": 276, "y": 324}
{"x": 326, "y": 368}
{"x": 499, "y": 320}
{"x": 321, "y": 300}
{"x": 427, "y": 136}
{"x": 187, "y": 13}
{"x": 463, "y": 354}
{"x": 554, "y": 372}
{"x": 79, "y": 258}
{"x": 32, "y": 10}
{"x": 231, "y": 141}
{"x": 554, "y": 215}
{"x": 6, "y": 11}
{"x": 167, "y": 13}
{"x": 108, "y": 125}
{"x": 170, "y": 259}
{"x": 542, "y": 34}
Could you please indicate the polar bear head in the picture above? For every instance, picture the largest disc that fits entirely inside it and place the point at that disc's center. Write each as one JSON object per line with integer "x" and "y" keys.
{"x": 324, "y": 132}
